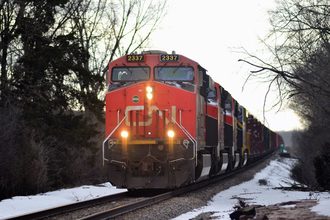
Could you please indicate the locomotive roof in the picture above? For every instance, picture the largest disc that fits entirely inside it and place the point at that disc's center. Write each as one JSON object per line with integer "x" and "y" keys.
{"x": 157, "y": 53}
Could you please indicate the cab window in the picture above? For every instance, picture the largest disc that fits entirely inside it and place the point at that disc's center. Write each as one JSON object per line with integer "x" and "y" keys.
{"x": 228, "y": 105}
{"x": 129, "y": 74}
{"x": 179, "y": 76}
{"x": 177, "y": 73}
{"x": 212, "y": 96}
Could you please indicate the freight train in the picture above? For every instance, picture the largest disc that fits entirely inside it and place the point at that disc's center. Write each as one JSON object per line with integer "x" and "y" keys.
{"x": 168, "y": 124}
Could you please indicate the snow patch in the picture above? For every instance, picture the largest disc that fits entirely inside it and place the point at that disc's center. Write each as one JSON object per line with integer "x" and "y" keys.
{"x": 20, "y": 205}
{"x": 277, "y": 174}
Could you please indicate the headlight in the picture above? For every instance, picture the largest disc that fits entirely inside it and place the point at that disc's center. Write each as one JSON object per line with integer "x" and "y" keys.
{"x": 170, "y": 133}
{"x": 149, "y": 96}
{"x": 149, "y": 91}
{"x": 124, "y": 134}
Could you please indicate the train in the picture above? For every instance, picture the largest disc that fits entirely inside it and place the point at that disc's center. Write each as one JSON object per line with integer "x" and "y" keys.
{"x": 168, "y": 124}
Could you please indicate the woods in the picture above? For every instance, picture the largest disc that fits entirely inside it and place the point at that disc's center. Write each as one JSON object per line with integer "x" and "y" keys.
{"x": 53, "y": 55}
{"x": 300, "y": 71}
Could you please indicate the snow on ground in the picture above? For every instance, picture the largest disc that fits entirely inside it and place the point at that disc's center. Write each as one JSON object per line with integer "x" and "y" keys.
{"x": 20, "y": 205}
{"x": 277, "y": 174}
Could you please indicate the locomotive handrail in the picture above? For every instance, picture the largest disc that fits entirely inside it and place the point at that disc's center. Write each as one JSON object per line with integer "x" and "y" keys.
{"x": 188, "y": 135}
{"x": 184, "y": 129}
{"x": 108, "y": 137}
{"x": 194, "y": 140}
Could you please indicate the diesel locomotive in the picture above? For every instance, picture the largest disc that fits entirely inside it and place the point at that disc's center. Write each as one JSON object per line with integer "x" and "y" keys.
{"x": 168, "y": 124}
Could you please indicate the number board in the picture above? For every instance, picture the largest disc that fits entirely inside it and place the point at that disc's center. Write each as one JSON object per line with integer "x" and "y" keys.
{"x": 135, "y": 58}
{"x": 169, "y": 58}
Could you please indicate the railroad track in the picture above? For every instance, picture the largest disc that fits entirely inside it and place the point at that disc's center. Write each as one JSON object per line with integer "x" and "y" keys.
{"x": 117, "y": 211}
{"x": 125, "y": 203}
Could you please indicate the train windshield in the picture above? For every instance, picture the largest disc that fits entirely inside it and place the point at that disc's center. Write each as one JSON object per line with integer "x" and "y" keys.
{"x": 130, "y": 74}
{"x": 177, "y": 73}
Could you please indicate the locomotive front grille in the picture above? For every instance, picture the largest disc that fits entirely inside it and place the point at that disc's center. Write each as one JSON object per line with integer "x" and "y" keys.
{"x": 147, "y": 160}
{"x": 147, "y": 167}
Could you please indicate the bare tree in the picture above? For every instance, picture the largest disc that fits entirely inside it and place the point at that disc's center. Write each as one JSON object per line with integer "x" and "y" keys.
{"x": 8, "y": 17}
{"x": 300, "y": 29}
{"x": 300, "y": 70}
{"x": 110, "y": 28}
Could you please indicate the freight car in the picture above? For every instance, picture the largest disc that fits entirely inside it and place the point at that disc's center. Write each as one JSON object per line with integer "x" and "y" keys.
{"x": 169, "y": 124}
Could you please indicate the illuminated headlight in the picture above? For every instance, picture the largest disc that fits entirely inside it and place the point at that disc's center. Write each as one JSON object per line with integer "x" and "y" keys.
{"x": 149, "y": 91}
{"x": 149, "y": 96}
{"x": 124, "y": 134}
{"x": 170, "y": 133}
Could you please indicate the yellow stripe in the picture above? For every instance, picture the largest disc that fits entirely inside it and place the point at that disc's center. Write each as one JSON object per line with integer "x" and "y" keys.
{"x": 142, "y": 142}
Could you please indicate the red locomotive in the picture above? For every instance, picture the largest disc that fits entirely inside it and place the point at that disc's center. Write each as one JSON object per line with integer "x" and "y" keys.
{"x": 168, "y": 124}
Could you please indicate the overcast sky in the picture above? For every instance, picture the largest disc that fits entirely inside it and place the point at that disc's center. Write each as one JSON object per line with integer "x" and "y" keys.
{"x": 212, "y": 32}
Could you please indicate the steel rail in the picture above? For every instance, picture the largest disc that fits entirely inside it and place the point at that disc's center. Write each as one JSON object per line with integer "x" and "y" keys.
{"x": 73, "y": 207}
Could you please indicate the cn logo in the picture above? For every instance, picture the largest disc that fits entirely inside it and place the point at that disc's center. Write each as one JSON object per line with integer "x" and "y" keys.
{"x": 152, "y": 108}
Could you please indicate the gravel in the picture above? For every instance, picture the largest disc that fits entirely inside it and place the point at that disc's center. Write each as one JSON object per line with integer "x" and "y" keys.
{"x": 185, "y": 203}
